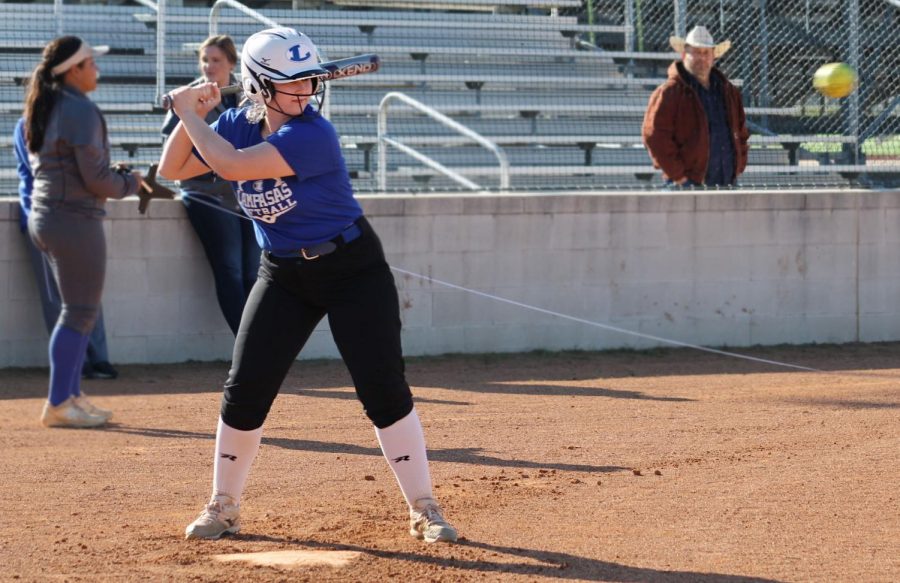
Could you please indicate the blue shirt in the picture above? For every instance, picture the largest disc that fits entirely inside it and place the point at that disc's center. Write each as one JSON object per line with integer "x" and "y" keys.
{"x": 23, "y": 167}
{"x": 720, "y": 171}
{"x": 313, "y": 205}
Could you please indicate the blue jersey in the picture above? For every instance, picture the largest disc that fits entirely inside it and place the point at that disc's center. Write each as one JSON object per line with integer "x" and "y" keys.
{"x": 313, "y": 205}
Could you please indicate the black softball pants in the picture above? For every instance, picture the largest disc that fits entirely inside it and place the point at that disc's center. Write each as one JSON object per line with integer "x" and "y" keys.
{"x": 354, "y": 288}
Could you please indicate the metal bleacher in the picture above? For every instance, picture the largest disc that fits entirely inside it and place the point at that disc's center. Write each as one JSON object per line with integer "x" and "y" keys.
{"x": 515, "y": 71}
{"x": 511, "y": 76}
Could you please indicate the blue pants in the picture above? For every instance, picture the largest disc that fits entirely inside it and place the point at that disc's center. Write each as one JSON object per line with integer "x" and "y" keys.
{"x": 51, "y": 304}
{"x": 231, "y": 249}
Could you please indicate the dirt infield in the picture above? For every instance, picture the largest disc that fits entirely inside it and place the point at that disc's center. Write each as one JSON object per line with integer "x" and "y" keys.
{"x": 664, "y": 466}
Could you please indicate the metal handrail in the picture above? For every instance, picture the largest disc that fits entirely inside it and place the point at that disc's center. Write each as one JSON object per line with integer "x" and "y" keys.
{"x": 214, "y": 30}
{"x": 160, "y": 9}
{"x": 160, "y": 49}
{"x": 384, "y": 140}
{"x": 58, "y": 12}
{"x": 217, "y": 8}
{"x": 431, "y": 163}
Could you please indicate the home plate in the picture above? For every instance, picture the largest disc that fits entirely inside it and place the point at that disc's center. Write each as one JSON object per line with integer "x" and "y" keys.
{"x": 294, "y": 558}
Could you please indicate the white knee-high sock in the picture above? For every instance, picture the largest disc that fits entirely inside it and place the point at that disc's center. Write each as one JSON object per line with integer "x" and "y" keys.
{"x": 403, "y": 445}
{"x": 235, "y": 452}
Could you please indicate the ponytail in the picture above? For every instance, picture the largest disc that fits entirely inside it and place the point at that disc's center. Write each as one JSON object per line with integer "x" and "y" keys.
{"x": 44, "y": 88}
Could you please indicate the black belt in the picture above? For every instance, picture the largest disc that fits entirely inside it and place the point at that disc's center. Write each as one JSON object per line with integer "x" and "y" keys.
{"x": 312, "y": 252}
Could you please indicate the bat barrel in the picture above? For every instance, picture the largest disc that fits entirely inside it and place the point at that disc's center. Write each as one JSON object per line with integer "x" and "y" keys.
{"x": 350, "y": 67}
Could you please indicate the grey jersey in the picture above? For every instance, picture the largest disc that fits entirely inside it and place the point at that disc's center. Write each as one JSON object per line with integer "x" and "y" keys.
{"x": 72, "y": 167}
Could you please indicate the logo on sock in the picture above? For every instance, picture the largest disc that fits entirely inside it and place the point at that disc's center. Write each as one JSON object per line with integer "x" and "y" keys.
{"x": 228, "y": 456}
{"x": 402, "y": 458}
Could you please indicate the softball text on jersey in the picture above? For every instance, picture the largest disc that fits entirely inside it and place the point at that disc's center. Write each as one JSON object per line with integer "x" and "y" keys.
{"x": 265, "y": 200}
{"x": 310, "y": 206}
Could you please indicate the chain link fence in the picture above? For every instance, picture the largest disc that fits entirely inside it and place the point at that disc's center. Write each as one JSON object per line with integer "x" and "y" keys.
{"x": 559, "y": 86}
{"x": 777, "y": 47}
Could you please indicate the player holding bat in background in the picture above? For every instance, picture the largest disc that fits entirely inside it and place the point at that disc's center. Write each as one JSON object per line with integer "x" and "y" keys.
{"x": 321, "y": 257}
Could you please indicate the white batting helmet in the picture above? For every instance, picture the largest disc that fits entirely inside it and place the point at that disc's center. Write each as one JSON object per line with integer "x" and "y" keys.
{"x": 277, "y": 55}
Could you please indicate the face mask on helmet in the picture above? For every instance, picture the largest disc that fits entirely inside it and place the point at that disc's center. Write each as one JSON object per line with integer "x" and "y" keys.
{"x": 317, "y": 88}
{"x": 278, "y": 55}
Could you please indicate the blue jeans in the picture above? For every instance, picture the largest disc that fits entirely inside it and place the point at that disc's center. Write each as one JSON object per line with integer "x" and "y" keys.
{"x": 231, "y": 249}
{"x": 51, "y": 304}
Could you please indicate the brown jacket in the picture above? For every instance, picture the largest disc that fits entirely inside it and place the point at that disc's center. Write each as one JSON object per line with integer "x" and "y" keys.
{"x": 675, "y": 129}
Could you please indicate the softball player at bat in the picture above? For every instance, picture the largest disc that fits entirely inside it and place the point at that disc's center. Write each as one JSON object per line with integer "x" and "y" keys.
{"x": 320, "y": 258}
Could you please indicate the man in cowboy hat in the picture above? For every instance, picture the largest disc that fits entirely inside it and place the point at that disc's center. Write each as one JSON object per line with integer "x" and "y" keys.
{"x": 694, "y": 128}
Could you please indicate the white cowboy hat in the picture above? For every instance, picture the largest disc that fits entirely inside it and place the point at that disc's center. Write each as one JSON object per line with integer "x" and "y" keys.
{"x": 700, "y": 37}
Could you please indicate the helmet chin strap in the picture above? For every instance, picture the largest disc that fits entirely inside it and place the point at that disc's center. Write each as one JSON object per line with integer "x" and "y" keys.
{"x": 318, "y": 95}
{"x": 271, "y": 104}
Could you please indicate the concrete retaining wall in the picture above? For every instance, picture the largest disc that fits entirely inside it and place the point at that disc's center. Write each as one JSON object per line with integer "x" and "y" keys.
{"x": 731, "y": 269}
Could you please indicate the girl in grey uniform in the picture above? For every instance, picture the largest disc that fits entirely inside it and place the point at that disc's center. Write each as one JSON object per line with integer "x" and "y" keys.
{"x": 68, "y": 149}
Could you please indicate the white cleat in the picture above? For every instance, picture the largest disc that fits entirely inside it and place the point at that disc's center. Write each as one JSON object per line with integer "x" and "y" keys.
{"x": 220, "y": 516}
{"x": 69, "y": 414}
{"x": 427, "y": 523}
{"x": 82, "y": 401}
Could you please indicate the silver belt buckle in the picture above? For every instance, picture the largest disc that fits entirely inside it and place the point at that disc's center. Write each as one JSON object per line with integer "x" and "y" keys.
{"x": 308, "y": 257}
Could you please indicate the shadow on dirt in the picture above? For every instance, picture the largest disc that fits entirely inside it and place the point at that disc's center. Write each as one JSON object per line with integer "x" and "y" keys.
{"x": 844, "y": 404}
{"x": 349, "y": 395}
{"x": 31, "y": 384}
{"x": 534, "y": 373}
{"x": 471, "y": 455}
{"x": 533, "y": 563}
